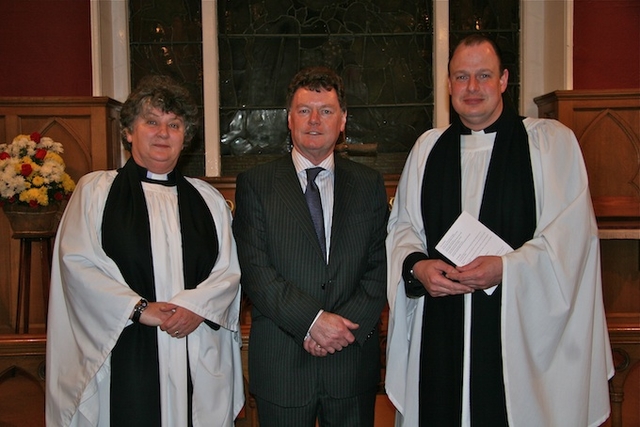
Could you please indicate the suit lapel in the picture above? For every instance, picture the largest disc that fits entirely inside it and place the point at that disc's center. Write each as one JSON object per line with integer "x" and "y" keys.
{"x": 287, "y": 186}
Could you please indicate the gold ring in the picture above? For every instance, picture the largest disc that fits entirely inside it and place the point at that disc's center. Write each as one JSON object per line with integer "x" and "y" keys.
{"x": 176, "y": 333}
{"x": 318, "y": 346}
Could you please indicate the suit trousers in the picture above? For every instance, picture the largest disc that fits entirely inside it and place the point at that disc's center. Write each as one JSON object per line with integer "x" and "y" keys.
{"x": 357, "y": 411}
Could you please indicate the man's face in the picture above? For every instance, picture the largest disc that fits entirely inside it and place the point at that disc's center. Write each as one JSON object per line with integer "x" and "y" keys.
{"x": 156, "y": 140}
{"x": 476, "y": 85}
{"x": 315, "y": 120}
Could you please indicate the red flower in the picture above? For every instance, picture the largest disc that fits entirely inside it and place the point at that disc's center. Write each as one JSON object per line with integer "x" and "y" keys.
{"x": 33, "y": 203}
{"x": 26, "y": 169}
{"x": 58, "y": 196}
{"x": 4, "y": 155}
{"x": 41, "y": 153}
{"x": 35, "y": 137}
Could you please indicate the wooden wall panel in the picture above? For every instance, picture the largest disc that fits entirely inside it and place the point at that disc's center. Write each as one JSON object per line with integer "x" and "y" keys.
{"x": 88, "y": 129}
{"x": 607, "y": 125}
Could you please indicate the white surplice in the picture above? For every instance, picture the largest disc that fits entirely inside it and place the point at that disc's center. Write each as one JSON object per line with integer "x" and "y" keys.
{"x": 556, "y": 354}
{"x": 90, "y": 304}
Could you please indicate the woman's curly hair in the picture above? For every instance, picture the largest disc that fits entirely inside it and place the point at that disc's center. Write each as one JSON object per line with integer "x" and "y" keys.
{"x": 163, "y": 93}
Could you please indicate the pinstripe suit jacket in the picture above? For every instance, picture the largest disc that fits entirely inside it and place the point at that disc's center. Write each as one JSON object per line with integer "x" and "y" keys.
{"x": 288, "y": 281}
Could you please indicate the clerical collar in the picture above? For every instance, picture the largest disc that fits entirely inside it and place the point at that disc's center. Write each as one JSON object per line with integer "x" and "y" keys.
{"x": 158, "y": 176}
{"x": 489, "y": 129}
{"x": 166, "y": 179}
{"x": 493, "y": 127}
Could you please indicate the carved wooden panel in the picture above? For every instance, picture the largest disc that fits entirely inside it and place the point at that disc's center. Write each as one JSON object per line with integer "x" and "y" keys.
{"x": 607, "y": 125}
{"x": 88, "y": 129}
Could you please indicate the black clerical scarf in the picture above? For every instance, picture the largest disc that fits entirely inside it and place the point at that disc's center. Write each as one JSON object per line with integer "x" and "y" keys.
{"x": 126, "y": 238}
{"x": 508, "y": 209}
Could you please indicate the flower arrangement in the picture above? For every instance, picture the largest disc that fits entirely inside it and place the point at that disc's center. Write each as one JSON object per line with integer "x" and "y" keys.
{"x": 32, "y": 172}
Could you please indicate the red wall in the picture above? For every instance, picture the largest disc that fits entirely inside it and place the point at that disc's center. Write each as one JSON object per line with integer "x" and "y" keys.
{"x": 606, "y": 50}
{"x": 45, "y": 48}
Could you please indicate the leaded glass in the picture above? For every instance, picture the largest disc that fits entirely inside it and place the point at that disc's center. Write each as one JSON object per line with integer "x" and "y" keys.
{"x": 381, "y": 48}
{"x": 166, "y": 38}
{"x": 498, "y": 19}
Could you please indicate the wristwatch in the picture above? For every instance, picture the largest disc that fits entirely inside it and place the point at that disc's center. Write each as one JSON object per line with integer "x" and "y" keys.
{"x": 138, "y": 309}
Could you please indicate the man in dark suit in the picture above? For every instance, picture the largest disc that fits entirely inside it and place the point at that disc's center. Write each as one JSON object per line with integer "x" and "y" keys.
{"x": 317, "y": 296}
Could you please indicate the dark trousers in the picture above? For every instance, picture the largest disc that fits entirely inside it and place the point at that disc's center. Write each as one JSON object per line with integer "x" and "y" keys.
{"x": 355, "y": 411}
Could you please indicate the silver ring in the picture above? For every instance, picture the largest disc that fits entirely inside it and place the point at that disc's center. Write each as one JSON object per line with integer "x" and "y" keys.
{"x": 318, "y": 346}
{"x": 176, "y": 333}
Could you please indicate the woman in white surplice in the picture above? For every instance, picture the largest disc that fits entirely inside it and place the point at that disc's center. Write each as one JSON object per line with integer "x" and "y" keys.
{"x": 145, "y": 296}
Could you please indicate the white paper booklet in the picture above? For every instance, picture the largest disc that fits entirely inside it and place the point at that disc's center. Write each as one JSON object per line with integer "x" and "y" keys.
{"x": 468, "y": 239}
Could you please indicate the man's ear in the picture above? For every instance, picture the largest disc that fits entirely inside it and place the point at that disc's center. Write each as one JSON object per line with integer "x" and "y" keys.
{"x": 504, "y": 79}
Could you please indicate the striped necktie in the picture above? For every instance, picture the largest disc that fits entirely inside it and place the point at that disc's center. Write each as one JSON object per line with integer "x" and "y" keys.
{"x": 312, "y": 195}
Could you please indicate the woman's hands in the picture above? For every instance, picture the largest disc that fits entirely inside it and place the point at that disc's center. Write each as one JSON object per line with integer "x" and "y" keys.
{"x": 175, "y": 320}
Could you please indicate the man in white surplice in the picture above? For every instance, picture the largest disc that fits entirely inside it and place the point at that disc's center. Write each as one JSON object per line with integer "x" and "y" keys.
{"x": 143, "y": 318}
{"x": 552, "y": 359}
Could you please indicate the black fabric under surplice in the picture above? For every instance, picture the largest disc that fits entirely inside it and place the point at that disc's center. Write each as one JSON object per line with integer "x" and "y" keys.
{"x": 508, "y": 209}
{"x": 126, "y": 238}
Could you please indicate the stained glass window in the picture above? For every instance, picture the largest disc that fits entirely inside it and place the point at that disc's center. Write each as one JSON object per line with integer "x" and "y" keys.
{"x": 166, "y": 38}
{"x": 499, "y": 20}
{"x": 381, "y": 48}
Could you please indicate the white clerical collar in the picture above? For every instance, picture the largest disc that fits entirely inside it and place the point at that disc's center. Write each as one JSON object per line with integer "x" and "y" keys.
{"x": 158, "y": 176}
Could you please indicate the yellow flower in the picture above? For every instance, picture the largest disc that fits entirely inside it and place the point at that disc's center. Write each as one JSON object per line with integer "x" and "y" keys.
{"x": 37, "y": 194}
{"x": 68, "y": 184}
{"x": 55, "y": 157}
{"x": 37, "y": 181}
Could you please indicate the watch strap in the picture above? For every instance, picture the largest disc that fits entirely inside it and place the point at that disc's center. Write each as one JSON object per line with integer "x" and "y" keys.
{"x": 138, "y": 309}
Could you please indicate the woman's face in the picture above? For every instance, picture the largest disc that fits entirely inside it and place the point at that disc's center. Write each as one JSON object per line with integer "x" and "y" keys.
{"x": 157, "y": 139}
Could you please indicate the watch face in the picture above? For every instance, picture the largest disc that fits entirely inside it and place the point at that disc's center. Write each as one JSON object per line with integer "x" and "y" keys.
{"x": 141, "y": 305}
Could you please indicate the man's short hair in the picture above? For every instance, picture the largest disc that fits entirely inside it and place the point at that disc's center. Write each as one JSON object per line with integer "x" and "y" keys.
{"x": 316, "y": 78}
{"x": 476, "y": 39}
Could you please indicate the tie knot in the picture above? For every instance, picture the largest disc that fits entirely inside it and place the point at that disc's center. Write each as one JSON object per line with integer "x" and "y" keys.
{"x": 312, "y": 173}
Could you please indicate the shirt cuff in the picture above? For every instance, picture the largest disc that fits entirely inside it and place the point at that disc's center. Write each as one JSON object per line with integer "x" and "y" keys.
{"x": 306, "y": 337}
{"x": 412, "y": 286}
